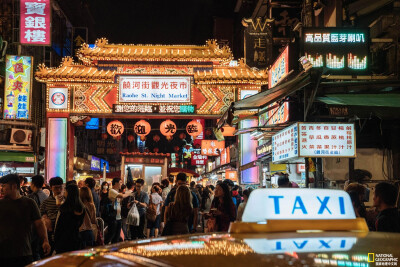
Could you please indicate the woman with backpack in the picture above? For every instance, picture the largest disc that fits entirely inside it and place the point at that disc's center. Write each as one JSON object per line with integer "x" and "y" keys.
{"x": 153, "y": 211}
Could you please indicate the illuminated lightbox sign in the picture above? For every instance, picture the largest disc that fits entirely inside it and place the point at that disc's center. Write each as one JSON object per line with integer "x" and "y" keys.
{"x": 327, "y": 140}
{"x": 18, "y": 85}
{"x": 298, "y": 204}
{"x": 35, "y": 22}
{"x": 285, "y": 144}
{"x": 339, "y": 49}
{"x": 212, "y": 147}
{"x": 279, "y": 69}
{"x": 58, "y": 98}
{"x": 102, "y": 162}
{"x": 175, "y": 109}
{"x": 154, "y": 89}
{"x": 263, "y": 150}
{"x": 300, "y": 245}
{"x": 95, "y": 164}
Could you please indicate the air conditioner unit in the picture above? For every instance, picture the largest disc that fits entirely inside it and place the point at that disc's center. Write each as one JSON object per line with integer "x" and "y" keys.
{"x": 21, "y": 136}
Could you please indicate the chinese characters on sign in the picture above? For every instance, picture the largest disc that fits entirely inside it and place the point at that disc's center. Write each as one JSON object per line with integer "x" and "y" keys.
{"x": 285, "y": 144}
{"x": 279, "y": 69}
{"x": 339, "y": 49}
{"x": 154, "y": 89}
{"x": 17, "y": 93}
{"x": 35, "y": 22}
{"x": 327, "y": 140}
{"x": 212, "y": 147}
{"x": 145, "y": 160}
{"x": 258, "y": 45}
{"x": 231, "y": 175}
{"x": 126, "y": 108}
{"x": 198, "y": 159}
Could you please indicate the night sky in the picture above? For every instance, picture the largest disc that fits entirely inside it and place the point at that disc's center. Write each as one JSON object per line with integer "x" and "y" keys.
{"x": 158, "y": 21}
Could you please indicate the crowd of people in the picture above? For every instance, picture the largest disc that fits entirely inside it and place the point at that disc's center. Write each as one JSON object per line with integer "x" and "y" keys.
{"x": 44, "y": 220}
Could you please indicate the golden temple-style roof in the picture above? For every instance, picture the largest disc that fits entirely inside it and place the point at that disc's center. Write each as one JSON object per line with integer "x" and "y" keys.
{"x": 72, "y": 72}
{"x": 211, "y": 52}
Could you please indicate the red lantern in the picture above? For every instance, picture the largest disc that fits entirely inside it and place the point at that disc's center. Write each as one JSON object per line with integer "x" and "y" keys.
{"x": 87, "y": 119}
{"x": 208, "y": 132}
{"x": 182, "y": 136}
{"x": 176, "y": 148}
{"x": 143, "y": 138}
{"x": 117, "y": 137}
{"x": 194, "y": 128}
{"x": 169, "y": 138}
{"x": 104, "y": 136}
{"x": 131, "y": 138}
{"x": 115, "y": 128}
{"x": 187, "y": 147}
{"x": 168, "y": 128}
{"x": 155, "y": 150}
{"x": 142, "y": 128}
{"x": 156, "y": 138}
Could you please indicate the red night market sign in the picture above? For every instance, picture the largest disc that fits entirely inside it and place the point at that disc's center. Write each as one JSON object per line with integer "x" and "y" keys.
{"x": 35, "y": 22}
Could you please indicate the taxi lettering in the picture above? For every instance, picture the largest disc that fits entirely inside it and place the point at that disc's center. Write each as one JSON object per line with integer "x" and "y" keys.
{"x": 299, "y": 206}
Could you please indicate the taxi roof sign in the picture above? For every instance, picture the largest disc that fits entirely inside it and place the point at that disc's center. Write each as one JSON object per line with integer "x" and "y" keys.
{"x": 295, "y": 204}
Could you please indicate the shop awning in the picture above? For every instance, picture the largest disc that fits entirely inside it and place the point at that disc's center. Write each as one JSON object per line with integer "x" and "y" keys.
{"x": 175, "y": 171}
{"x": 265, "y": 98}
{"x": 6, "y": 156}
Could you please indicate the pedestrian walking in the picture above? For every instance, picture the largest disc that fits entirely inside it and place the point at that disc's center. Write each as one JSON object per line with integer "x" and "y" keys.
{"x": 125, "y": 210}
{"x": 91, "y": 183}
{"x": 24, "y": 188}
{"x": 89, "y": 224}
{"x": 388, "y": 219}
{"x": 50, "y": 207}
{"x": 112, "y": 212}
{"x": 242, "y": 206}
{"x": 69, "y": 220}
{"x": 178, "y": 213}
{"x": 222, "y": 208}
{"x": 155, "y": 202}
{"x": 38, "y": 196}
{"x": 18, "y": 214}
{"x": 141, "y": 199}
{"x": 181, "y": 179}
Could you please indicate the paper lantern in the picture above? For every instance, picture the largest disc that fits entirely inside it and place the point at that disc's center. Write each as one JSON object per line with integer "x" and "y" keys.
{"x": 104, "y": 136}
{"x": 194, "y": 128}
{"x": 168, "y": 128}
{"x": 118, "y": 137}
{"x": 156, "y": 138}
{"x": 142, "y": 128}
{"x": 131, "y": 138}
{"x": 182, "y": 136}
{"x": 228, "y": 131}
{"x": 176, "y": 148}
{"x": 155, "y": 150}
{"x": 115, "y": 128}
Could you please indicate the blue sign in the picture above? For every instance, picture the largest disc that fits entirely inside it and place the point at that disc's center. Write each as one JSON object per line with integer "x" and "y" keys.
{"x": 294, "y": 204}
{"x": 95, "y": 164}
{"x": 102, "y": 161}
{"x": 93, "y": 124}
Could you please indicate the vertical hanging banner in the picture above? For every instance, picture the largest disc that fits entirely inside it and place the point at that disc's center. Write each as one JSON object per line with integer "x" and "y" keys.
{"x": 17, "y": 93}
{"x": 35, "y": 22}
{"x": 258, "y": 42}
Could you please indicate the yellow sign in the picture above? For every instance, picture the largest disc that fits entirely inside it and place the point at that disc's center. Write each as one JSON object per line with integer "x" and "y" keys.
{"x": 277, "y": 168}
{"x": 17, "y": 93}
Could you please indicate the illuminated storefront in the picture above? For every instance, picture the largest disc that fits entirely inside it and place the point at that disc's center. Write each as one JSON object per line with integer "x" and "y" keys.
{"x": 142, "y": 82}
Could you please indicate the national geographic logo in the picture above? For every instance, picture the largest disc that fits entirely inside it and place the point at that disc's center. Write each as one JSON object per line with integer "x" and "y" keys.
{"x": 382, "y": 259}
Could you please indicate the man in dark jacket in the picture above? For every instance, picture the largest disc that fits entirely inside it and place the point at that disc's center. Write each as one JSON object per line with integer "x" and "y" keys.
{"x": 388, "y": 219}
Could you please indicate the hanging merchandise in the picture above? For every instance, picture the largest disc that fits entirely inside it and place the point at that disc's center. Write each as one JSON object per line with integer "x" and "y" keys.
{"x": 168, "y": 129}
{"x": 142, "y": 128}
{"x": 194, "y": 128}
{"x": 115, "y": 128}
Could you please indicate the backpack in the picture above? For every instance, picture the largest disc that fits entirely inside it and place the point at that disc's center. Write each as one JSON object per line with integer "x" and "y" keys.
{"x": 151, "y": 212}
{"x": 108, "y": 213}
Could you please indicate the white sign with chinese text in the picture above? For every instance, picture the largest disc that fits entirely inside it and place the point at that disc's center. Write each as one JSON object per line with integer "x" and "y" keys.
{"x": 285, "y": 144}
{"x": 327, "y": 140}
{"x": 58, "y": 98}
{"x": 155, "y": 89}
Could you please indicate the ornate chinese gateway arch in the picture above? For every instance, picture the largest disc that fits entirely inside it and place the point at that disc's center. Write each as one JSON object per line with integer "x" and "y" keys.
{"x": 132, "y": 81}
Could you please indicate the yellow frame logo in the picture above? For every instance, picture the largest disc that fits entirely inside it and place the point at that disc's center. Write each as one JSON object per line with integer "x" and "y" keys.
{"x": 373, "y": 257}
